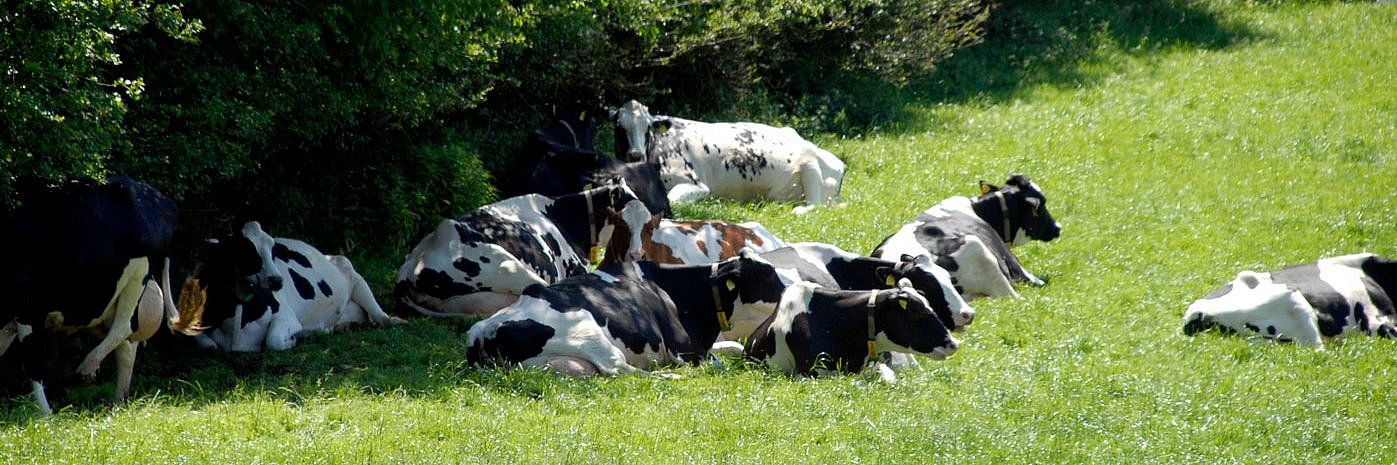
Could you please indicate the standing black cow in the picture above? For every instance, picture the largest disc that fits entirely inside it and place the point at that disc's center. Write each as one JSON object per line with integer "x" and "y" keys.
{"x": 84, "y": 257}
{"x": 971, "y": 238}
{"x": 566, "y": 162}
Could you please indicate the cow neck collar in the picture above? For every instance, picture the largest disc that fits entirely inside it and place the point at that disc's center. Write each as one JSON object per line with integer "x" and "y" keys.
{"x": 723, "y": 323}
{"x": 1007, "y": 233}
{"x": 591, "y": 223}
{"x": 575, "y": 143}
{"x": 872, "y": 328}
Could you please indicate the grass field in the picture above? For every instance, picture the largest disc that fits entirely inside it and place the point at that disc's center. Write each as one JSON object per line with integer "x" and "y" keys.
{"x": 1171, "y": 167}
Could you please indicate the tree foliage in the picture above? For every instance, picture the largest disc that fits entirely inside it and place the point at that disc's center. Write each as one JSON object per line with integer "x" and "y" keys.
{"x": 360, "y": 122}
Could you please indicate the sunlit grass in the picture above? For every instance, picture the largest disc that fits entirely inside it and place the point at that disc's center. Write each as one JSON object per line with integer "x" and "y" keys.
{"x": 1170, "y": 172}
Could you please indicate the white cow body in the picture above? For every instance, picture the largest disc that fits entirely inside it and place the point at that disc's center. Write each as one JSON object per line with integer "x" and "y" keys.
{"x": 742, "y": 161}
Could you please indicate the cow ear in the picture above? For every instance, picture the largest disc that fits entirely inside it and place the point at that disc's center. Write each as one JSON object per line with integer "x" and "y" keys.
{"x": 1018, "y": 180}
{"x": 986, "y": 188}
{"x": 660, "y": 126}
{"x": 885, "y": 275}
{"x": 611, "y": 113}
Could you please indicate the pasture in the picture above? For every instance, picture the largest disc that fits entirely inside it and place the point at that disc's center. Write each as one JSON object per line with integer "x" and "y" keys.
{"x": 1170, "y": 168}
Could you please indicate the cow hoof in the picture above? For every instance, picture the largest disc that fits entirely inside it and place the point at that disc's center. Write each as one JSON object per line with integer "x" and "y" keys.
{"x": 88, "y": 369}
{"x": 395, "y": 321}
{"x": 803, "y": 209}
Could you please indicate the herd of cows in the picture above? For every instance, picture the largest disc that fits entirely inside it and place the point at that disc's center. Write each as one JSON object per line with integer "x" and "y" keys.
{"x": 589, "y": 274}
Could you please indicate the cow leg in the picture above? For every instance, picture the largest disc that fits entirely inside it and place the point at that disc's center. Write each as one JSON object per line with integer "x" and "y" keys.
{"x": 476, "y": 304}
{"x": 41, "y": 399}
{"x": 125, "y": 365}
{"x": 282, "y": 331}
{"x": 361, "y": 295}
{"x": 688, "y": 192}
{"x": 564, "y": 365}
{"x": 118, "y": 315}
{"x": 979, "y": 272}
{"x": 814, "y": 184}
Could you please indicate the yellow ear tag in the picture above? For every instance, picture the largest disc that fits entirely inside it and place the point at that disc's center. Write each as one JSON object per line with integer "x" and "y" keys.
{"x": 873, "y": 349}
{"x": 984, "y": 188}
{"x": 904, "y": 304}
{"x": 582, "y": 116}
{"x": 597, "y": 253}
{"x": 890, "y": 280}
{"x": 587, "y": 187}
{"x": 723, "y": 322}
{"x": 731, "y": 285}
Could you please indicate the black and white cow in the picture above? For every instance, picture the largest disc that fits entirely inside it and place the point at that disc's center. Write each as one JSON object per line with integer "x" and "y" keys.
{"x": 834, "y": 268}
{"x": 971, "y": 238}
{"x": 255, "y": 291}
{"x": 1306, "y": 303}
{"x": 742, "y": 161}
{"x": 483, "y": 261}
{"x": 566, "y": 162}
{"x": 624, "y": 318}
{"x": 83, "y": 257}
{"x": 816, "y": 330}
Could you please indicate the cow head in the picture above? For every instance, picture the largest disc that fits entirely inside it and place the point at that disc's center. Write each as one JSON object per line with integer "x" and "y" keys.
{"x": 934, "y": 284}
{"x": 573, "y": 126}
{"x": 634, "y": 128}
{"x": 623, "y": 244}
{"x": 231, "y": 270}
{"x": 1253, "y": 303}
{"x": 906, "y": 320}
{"x": 749, "y": 278}
{"x": 1018, "y": 210}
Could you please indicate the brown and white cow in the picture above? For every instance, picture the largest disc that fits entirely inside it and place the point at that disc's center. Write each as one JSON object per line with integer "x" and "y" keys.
{"x": 698, "y": 242}
{"x": 741, "y": 161}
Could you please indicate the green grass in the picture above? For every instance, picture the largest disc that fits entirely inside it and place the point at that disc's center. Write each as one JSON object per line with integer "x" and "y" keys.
{"x": 1171, "y": 168}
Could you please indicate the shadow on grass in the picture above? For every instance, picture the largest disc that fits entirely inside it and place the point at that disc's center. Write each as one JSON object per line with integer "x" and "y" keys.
{"x": 415, "y": 358}
{"x": 1026, "y": 43}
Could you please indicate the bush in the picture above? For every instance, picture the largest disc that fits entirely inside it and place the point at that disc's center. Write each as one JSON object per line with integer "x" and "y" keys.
{"x": 354, "y": 124}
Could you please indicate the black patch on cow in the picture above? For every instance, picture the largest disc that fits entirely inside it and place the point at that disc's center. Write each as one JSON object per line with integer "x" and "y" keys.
{"x": 1270, "y": 330}
{"x": 470, "y": 268}
{"x": 1331, "y": 308}
{"x": 514, "y": 342}
{"x": 633, "y": 312}
{"x": 436, "y": 284}
{"x": 1253, "y": 328}
{"x": 285, "y": 254}
{"x": 303, "y": 285}
{"x": 515, "y": 237}
{"x": 259, "y": 304}
{"x": 325, "y": 289}
{"x": 747, "y": 162}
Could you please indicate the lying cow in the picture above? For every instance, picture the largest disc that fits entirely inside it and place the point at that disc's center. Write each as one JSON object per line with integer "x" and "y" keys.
{"x": 699, "y": 242}
{"x": 835, "y": 268}
{"x": 1307, "y": 303}
{"x": 566, "y": 162}
{"x": 255, "y": 291}
{"x": 816, "y": 330}
{"x": 624, "y": 318}
{"x": 971, "y": 238}
{"x": 482, "y": 261}
{"x": 84, "y": 257}
{"x": 742, "y": 161}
